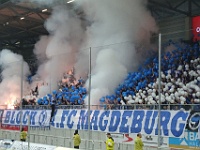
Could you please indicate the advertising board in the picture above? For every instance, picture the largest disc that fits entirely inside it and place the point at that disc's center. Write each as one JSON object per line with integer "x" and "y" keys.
{"x": 196, "y": 28}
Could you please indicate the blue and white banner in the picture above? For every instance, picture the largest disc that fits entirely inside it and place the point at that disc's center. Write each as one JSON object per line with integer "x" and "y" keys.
{"x": 173, "y": 123}
{"x": 38, "y": 118}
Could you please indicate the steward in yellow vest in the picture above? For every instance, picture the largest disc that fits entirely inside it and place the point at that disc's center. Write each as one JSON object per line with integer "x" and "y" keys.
{"x": 109, "y": 142}
{"x": 138, "y": 144}
{"x": 77, "y": 139}
{"x": 23, "y": 135}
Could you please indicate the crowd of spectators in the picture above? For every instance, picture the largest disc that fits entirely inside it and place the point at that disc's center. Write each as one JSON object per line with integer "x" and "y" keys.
{"x": 180, "y": 82}
{"x": 70, "y": 92}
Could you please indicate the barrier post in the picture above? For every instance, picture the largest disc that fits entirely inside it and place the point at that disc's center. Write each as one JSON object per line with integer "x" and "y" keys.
{"x": 159, "y": 90}
{"x": 89, "y": 96}
{"x": 34, "y": 138}
{"x": 70, "y": 143}
{"x": 28, "y": 132}
{"x": 21, "y": 95}
{"x": 118, "y": 146}
{"x": 92, "y": 144}
{"x": 100, "y": 145}
{"x": 70, "y": 135}
{"x": 126, "y": 146}
{"x": 45, "y": 139}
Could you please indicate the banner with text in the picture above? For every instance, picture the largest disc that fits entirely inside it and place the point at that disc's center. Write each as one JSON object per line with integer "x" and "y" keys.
{"x": 11, "y": 119}
{"x": 173, "y": 123}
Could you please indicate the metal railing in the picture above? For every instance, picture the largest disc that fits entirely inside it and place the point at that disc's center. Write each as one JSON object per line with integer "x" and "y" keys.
{"x": 120, "y": 107}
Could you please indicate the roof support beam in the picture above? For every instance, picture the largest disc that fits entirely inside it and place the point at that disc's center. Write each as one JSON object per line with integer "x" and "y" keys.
{"x": 168, "y": 3}
{"x": 194, "y": 2}
{"x": 2, "y": 32}
{"x": 31, "y": 10}
{"x": 5, "y": 4}
{"x": 190, "y": 7}
{"x": 168, "y": 7}
{"x": 42, "y": 18}
{"x": 23, "y": 31}
{"x": 25, "y": 15}
{"x": 180, "y": 3}
{"x": 17, "y": 18}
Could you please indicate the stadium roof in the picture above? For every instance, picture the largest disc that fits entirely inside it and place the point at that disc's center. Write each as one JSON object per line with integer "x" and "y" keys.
{"x": 166, "y": 8}
{"x": 23, "y": 22}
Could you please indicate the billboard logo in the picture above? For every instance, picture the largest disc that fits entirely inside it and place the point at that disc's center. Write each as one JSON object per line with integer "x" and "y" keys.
{"x": 194, "y": 121}
{"x": 198, "y": 29}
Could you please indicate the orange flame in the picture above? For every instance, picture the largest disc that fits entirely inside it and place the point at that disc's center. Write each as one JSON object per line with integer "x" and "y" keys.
{"x": 11, "y": 102}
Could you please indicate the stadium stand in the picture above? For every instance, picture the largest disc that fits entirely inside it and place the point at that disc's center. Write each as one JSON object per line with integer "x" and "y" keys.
{"x": 180, "y": 80}
{"x": 180, "y": 76}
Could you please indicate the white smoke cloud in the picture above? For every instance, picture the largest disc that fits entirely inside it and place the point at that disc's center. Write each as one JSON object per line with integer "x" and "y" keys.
{"x": 10, "y": 87}
{"x": 109, "y": 70}
{"x": 114, "y": 21}
{"x": 61, "y": 47}
{"x": 40, "y": 49}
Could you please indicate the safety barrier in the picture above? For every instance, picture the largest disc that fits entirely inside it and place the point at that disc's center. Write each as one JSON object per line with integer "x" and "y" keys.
{"x": 117, "y": 107}
{"x": 19, "y": 145}
{"x": 68, "y": 142}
